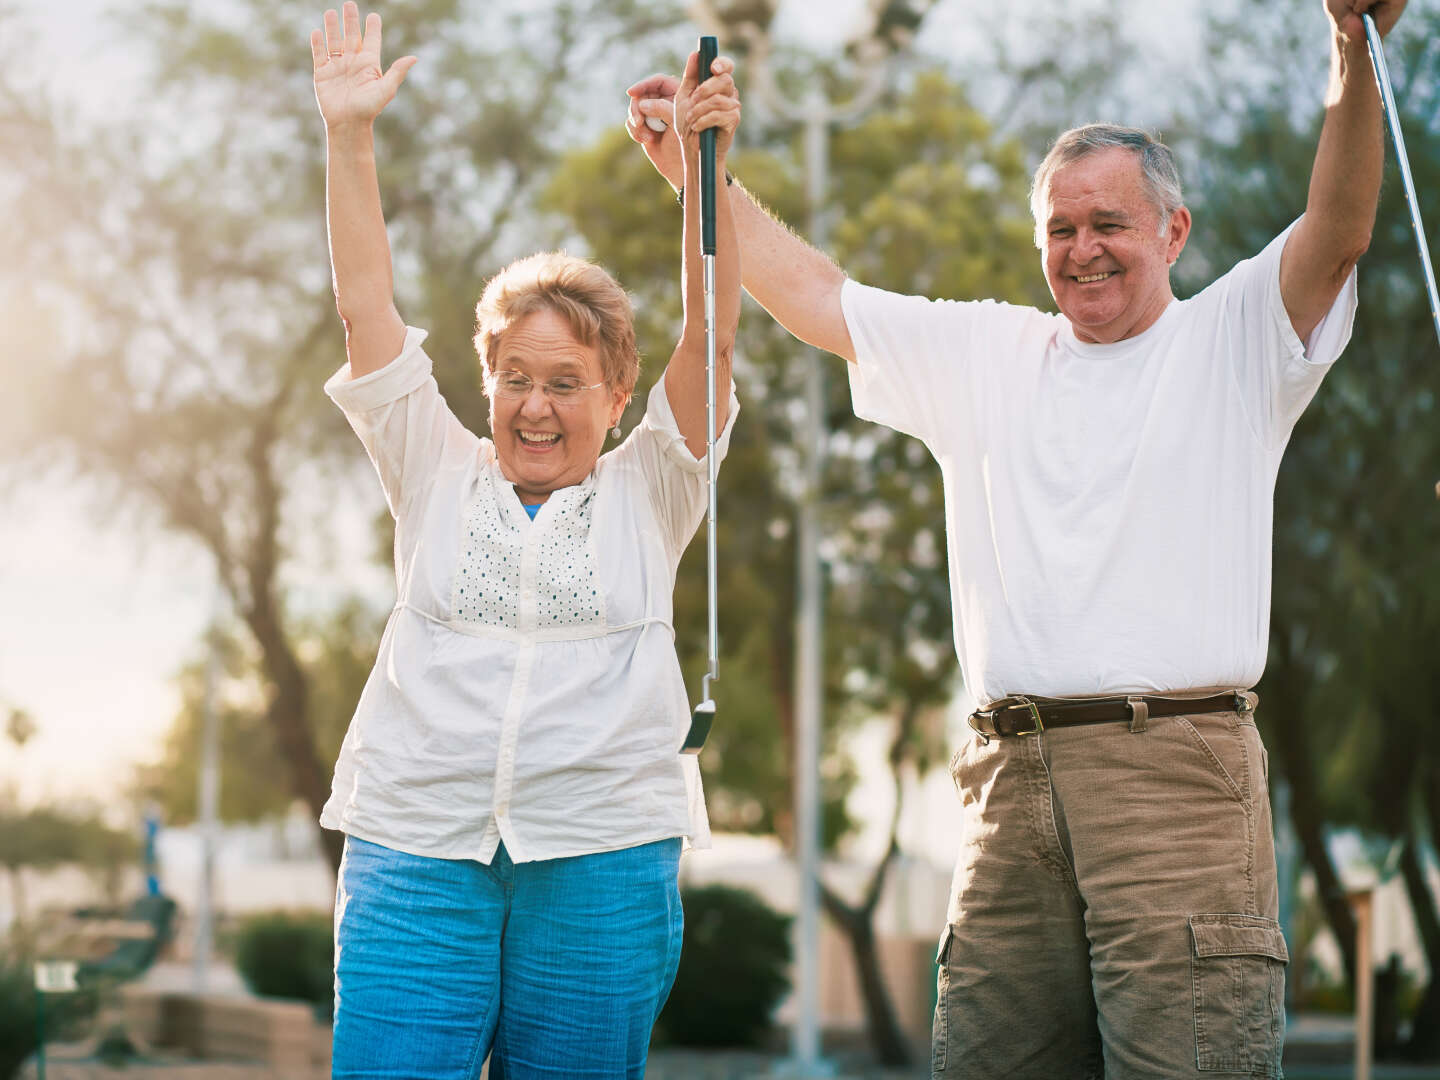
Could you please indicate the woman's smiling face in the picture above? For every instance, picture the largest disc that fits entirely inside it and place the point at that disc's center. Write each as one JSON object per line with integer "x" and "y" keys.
{"x": 544, "y": 444}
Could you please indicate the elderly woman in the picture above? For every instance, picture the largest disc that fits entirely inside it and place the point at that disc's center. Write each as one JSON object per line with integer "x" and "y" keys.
{"x": 510, "y": 787}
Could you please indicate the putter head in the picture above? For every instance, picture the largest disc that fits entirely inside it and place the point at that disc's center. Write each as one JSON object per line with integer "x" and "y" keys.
{"x": 700, "y": 722}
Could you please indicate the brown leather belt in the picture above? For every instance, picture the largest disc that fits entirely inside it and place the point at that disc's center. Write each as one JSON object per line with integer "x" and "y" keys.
{"x": 1024, "y": 715}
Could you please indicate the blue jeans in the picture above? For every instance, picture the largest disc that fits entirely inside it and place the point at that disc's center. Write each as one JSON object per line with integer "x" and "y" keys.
{"x": 555, "y": 969}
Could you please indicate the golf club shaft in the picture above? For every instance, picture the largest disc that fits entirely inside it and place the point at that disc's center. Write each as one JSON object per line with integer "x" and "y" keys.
{"x": 1392, "y": 117}
{"x": 709, "y": 49}
{"x": 711, "y": 561}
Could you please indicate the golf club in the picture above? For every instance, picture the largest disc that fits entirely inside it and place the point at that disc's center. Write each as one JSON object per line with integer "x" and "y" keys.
{"x": 1392, "y": 117}
{"x": 704, "y": 714}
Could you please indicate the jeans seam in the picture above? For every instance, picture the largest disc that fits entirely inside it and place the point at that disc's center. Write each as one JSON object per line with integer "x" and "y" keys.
{"x": 1044, "y": 805}
{"x": 477, "y": 1053}
{"x": 1252, "y": 816}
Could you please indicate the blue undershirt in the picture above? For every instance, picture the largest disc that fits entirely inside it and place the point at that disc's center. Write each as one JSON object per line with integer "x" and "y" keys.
{"x": 531, "y": 508}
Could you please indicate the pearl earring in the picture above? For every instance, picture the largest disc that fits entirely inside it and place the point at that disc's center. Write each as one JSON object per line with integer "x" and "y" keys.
{"x": 615, "y": 431}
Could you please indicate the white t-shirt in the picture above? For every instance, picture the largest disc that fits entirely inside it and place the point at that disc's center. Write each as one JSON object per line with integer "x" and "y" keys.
{"x": 1108, "y": 508}
{"x": 526, "y": 687}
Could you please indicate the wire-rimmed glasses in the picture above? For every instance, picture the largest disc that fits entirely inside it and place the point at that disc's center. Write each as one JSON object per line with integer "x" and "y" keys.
{"x": 562, "y": 389}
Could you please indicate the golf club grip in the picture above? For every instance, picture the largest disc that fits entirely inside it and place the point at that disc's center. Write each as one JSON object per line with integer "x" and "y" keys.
{"x": 709, "y": 50}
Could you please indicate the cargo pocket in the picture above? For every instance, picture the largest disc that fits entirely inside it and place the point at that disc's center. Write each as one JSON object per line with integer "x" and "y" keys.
{"x": 940, "y": 1032}
{"x": 1238, "y": 971}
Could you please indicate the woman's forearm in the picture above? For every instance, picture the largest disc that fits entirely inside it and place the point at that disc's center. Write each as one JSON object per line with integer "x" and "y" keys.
{"x": 360, "y": 250}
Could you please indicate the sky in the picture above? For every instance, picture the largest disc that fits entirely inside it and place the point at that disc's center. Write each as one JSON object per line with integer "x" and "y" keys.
{"x": 97, "y": 617}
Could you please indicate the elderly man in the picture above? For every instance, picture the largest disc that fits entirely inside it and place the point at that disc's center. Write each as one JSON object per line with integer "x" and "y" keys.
{"x": 1109, "y": 476}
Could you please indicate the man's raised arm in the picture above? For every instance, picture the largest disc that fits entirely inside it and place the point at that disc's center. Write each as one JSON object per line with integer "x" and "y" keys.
{"x": 1345, "y": 181}
{"x": 796, "y": 283}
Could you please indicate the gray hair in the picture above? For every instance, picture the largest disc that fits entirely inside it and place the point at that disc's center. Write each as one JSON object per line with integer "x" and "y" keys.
{"x": 1158, "y": 171}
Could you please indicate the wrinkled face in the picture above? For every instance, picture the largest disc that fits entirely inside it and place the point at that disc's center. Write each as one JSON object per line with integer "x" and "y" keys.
{"x": 544, "y": 445}
{"x": 1106, "y": 259}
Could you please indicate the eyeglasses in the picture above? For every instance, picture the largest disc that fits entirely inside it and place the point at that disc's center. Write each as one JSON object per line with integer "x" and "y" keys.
{"x": 563, "y": 389}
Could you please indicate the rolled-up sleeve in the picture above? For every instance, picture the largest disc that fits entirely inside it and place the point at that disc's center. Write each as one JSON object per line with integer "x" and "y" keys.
{"x": 401, "y": 419}
{"x": 1277, "y": 373}
{"x": 675, "y": 477}
{"x": 910, "y": 357}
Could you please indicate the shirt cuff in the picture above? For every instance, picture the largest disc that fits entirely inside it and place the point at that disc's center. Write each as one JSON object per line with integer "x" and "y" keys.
{"x": 1331, "y": 334}
{"x": 866, "y": 397}
{"x": 401, "y": 376}
{"x": 661, "y": 418}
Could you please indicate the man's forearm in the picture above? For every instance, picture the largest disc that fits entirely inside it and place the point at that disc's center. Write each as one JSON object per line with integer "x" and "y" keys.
{"x": 795, "y": 282}
{"x": 1344, "y": 190}
{"x": 1350, "y": 158}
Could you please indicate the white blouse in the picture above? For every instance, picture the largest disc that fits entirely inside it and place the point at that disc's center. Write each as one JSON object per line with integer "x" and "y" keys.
{"x": 526, "y": 687}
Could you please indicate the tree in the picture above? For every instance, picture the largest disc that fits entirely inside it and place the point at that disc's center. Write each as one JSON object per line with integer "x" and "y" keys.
{"x": 335, "y": 652}
{"x": 19, "y": 727}
{"x": 1351, "y": 698}
{"x": 191, "y": 240}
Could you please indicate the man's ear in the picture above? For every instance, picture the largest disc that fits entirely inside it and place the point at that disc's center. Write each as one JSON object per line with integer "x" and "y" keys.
{"x": 1176, "y": 234}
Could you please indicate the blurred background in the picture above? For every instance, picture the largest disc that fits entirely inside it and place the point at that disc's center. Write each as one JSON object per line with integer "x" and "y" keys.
{"x": 192, "y": 541}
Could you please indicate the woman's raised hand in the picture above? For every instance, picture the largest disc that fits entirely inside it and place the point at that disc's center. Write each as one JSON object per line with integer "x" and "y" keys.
{"x": 350, "y": 86}
{"x": 713, "y": 102}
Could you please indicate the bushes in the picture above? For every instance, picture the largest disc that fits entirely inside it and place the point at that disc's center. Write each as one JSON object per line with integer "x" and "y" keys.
{"x": 732, "y": 969}
{"x": 732, "y": 974}
{"x": 288, "y": 955}
{"x": 17, "y": 1016}
{"x": 18, "y": 1000}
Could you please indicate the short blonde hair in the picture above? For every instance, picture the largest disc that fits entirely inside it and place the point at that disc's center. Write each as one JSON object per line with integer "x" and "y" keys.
{"x": 590, "y": 300}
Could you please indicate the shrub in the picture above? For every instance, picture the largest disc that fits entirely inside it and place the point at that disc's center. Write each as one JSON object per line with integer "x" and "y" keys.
{"x": 63, "y": 1013}
{"x": 288, "y": 955}
{"x": 732, "y": 969}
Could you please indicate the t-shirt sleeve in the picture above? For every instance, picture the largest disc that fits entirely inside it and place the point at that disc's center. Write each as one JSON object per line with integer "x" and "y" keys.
{"x": 911, "y": 357}
{"x": 675, "y": 478}
{"x": 403, "y": 422}
{"x": 1278, "y": 373}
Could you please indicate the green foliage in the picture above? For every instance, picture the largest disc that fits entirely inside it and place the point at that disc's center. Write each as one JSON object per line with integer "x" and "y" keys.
{"x": 41, "y": 837}
{"x": 1352, "y": 691}
{"x": 19, "y": 1003}
{"x": 185, "y": 246}
{"x": 732, "y": 970}
{"x": 1356, "y": 600}
{"x": 17, "y": 1015}
{"x": 288, "y": 955}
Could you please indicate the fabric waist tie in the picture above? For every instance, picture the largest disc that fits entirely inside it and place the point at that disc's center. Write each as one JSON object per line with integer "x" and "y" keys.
{"x": 557, "y": 633}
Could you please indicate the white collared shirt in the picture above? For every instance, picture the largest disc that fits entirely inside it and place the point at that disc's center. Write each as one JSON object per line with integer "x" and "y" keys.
{"x": 527, "y": 687}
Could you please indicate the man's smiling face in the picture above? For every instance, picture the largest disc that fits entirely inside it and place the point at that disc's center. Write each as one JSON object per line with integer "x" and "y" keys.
{"x": 1105, "y": 255}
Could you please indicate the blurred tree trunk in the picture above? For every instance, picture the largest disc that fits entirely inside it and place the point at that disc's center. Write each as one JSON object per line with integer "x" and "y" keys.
{"x": 1284, "y": 710}
{"x": 1424, "y": 1042}
{"x": 19, "y": 904}
{"x": 857, "y": 921}
{"x": 180, "y": 253}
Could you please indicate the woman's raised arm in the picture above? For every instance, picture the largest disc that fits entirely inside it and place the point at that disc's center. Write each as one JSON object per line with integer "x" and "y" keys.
{"x": 351, "y": 90}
